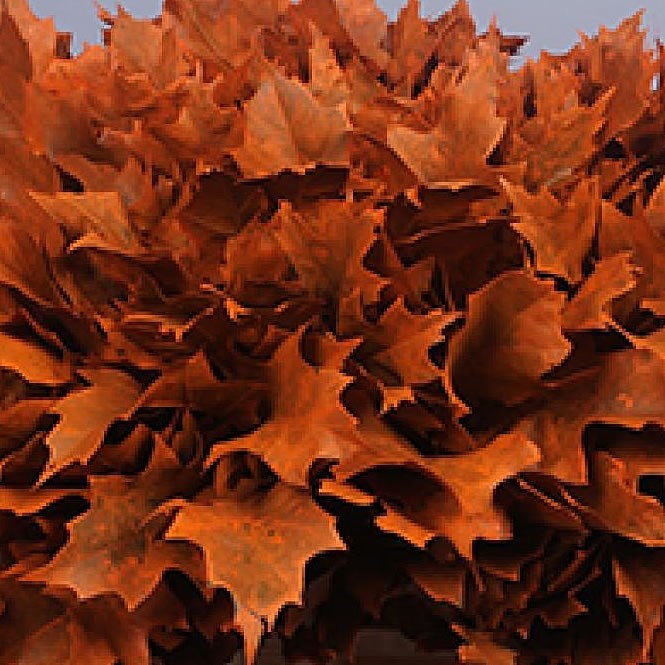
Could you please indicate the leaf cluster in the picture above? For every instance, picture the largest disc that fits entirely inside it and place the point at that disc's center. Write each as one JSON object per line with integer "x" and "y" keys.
{"x": 312, "y": 321}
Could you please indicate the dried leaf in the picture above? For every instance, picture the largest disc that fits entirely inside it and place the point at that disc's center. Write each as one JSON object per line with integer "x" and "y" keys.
{"x": 287, "y": 129}
{"x": 258, "y": 548}
{"x": 306, "y": 416}
{"x": 112, "y": 547}
{"x": 85, "y": 416}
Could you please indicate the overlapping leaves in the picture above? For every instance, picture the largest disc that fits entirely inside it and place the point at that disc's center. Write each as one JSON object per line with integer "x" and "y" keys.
{"x": 313, "y": 321}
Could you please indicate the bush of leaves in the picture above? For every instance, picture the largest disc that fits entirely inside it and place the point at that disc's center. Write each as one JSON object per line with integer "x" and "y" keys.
{"x": 312, "y": 321}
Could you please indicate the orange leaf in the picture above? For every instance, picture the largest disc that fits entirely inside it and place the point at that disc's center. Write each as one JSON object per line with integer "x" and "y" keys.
{"x": 258, "y": 547}
{"x": 307, "y": 417}
{"x": 85, "y": 415}
{"x": 287, "y": 129}
{"x": 113, "y": 547}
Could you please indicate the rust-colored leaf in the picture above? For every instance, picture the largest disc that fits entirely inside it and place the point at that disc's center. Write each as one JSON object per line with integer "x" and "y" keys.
{"x": 114, "y": 546}
{"x": 468, "y": 117}
{"x": 85, "y": 416}
{"x": 288, "y": 279}
{"x": 287, "y": 129}
{"x": 511, "y": 337}
{"x": 306, "y": 416}
{"x": 258, "y": 547}
{"x": 560, "y": 234}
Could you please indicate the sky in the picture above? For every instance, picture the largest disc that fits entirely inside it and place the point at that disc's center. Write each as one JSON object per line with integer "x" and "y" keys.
{"x": 552, "y": 26}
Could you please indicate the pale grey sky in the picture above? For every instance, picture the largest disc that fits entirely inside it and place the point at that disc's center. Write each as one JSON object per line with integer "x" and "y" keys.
{"x": 551, "y": 25}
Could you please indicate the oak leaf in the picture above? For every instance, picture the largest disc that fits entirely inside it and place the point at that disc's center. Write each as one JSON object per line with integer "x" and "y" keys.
{"x": 33, "y": 363}
{"x": 396, "y": 349}
{"x": 98, "y": 215}
{"x": 556, "y": 144}
{"x": 328, "y": 81}
{"x": 468, "y": 118}
{"x": 590, "y": 309}
{"x": 638, "y": 575}
{"x": 612, "y": 393}
{"x": 327, "y": 244}
{"x": 411, "y": 45}
{"x": 24, "y": 267}
{"x": 618, "y": 59}
{"x": 560, "y": 233}
{"x": 407, "y": 299}
{"x": 461, "y": 506}
{"x": 611, "y": 502}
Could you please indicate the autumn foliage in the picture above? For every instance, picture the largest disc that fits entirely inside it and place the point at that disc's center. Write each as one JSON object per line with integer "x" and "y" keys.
{"x": 312, "y": 321}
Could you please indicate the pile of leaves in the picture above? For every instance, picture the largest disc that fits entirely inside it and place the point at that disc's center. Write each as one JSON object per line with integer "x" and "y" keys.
{"x": 312, "y": 321}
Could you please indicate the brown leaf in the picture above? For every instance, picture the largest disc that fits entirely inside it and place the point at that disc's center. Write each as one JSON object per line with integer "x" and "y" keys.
{"x": 552, "y": 227}
{"x": 113, "y": 547}
{"x": 367, "y": 26}
{"x": 327, "y": 81}
{"x": 613, "y": 393}
{"x": 23, "y": 265}
{"x": 85, "y": 416}
{"x": 555, "y": 146}
{"x": 411, "y": 44}
{"x": 287, "y": 129}
{"x": 396, "y": 350}
{"x": 327, "y": 244}
{"x": 258, "y": 547}
{"x": 622, "y": 233}
{"x": 461, "y": 506}
{"x": 639, "y": 576}
{"x": 618, "y": 59}
{"x": 511, "y": 337}
{"x": 469, "y": 118}
{"x": 611, "y": 502}
{"x": 590, "y": 309}
{"x": 32, "y": 362}
{"x": 442, "y": 582}
{"x": 100, "y": 215}
{"x": 481, "y": 649}
{"x": 307, "y": 416}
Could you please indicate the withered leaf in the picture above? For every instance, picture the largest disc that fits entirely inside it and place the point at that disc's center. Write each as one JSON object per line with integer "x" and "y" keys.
{"x": 24, "y": 266}
{"x": 307, "y": 416}
{"x": 482, "y": 648}
{"x": 86, "y": 414}
{"x": 623, "y": 233}
{"x": 612, "y": 393}
{"x": 463, "y": 508}
{"x": 638, "y": 574}
{"x": 397, "y": 351}
{"x": 411, "y": 44}
{"x": 327, "y": 80}
{"x": 511, "y": 337}
{"x": 408, "y": 299}
{"x": 327, "y": 245}
{"x": 560, "y": 233}
{"x": 287, "y": 129}
{"x": 618, "y": 59}
{"x": 612, "y": 503}
{"x": 367, "y": 26}
{"x": 33, "y": 363}
{"x": 100, "y": 215}
{"x": 590, "y": 309}
{"x": 258, "y": 547}
{"x": 114, "y": 546}
{"x": 468, "y": 117}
